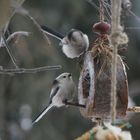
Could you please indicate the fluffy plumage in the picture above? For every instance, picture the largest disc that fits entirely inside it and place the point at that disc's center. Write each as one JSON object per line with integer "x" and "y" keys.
{"x": 63, "y": 88}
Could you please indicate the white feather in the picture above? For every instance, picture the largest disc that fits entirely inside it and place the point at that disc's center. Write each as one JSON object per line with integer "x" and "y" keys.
{"x": 43, "y": 113}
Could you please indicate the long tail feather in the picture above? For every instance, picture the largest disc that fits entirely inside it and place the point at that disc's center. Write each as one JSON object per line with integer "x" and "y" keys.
{"x": 42, "y": 114}
{"x": 52, "y": 32}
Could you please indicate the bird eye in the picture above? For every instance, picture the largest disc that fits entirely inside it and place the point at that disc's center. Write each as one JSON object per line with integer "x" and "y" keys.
{"x": 69, "y": 75}
{"x": 64, "y": 76}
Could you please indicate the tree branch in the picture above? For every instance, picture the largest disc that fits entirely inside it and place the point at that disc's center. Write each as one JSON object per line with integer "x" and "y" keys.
{"x": 135, "y": 109}
{"x": 74, "y": 104}
{"x": 9, "y": 51}
{"x": 32, "y": 70}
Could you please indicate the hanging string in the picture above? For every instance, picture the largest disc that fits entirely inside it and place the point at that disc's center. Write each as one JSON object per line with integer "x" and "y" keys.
{"x": 101, "y": 10}
{"x": 116, "y": 12}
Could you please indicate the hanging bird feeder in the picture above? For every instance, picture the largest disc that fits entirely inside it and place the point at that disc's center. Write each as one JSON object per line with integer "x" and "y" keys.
{"x": 94, "y": 89}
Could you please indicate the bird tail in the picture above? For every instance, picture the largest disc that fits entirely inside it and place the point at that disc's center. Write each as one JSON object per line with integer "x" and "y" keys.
{"x": 52, "y": 32}
{"x": 44, "y": 111}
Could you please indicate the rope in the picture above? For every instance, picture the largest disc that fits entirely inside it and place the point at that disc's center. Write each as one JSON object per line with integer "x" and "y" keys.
{"x": 116, "y": 12}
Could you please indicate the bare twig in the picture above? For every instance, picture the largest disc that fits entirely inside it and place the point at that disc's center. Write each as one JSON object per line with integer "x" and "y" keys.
{"x": 135, "y": 109}
{"x": 13, "y": 13}
{"x": 74, "y": 104}
{"x": 132, "y": 28}
{"x": 32, "y": 70}
{"x": 17, "y": 34}
{"x": 38, "y": 26}
{"x": 14, "y": 36}
{"x": 133, "y": 14}
{"x": 9, "y": 51}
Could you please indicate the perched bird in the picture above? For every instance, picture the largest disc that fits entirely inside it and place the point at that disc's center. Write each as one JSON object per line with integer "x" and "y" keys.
{"x": 63, "y": 89}
{"x": 73, "y": 44}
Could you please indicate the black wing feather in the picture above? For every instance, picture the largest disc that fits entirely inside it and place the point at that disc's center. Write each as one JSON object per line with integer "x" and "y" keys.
{"x": 53, "y": 94}
{"x": 52, "y": 31}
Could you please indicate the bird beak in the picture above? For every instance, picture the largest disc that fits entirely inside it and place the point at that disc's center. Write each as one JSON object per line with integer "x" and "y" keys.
{"x": 63, "y": 42}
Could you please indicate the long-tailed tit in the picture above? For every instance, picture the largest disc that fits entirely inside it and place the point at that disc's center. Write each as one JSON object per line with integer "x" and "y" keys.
{"x": 63, "y": 89}
{"x": 73, "y": 44}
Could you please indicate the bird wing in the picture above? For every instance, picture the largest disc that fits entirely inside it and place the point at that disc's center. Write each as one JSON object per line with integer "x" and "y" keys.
{"x": 53, "y": 93}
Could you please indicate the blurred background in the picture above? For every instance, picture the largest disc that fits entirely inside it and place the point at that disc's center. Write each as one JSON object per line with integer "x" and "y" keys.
{"x": 23, "y": 96}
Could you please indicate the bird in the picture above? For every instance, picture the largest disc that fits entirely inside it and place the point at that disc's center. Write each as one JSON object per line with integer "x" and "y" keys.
{"x": 63, "y": 89}
{"x": 74, "y": 43}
